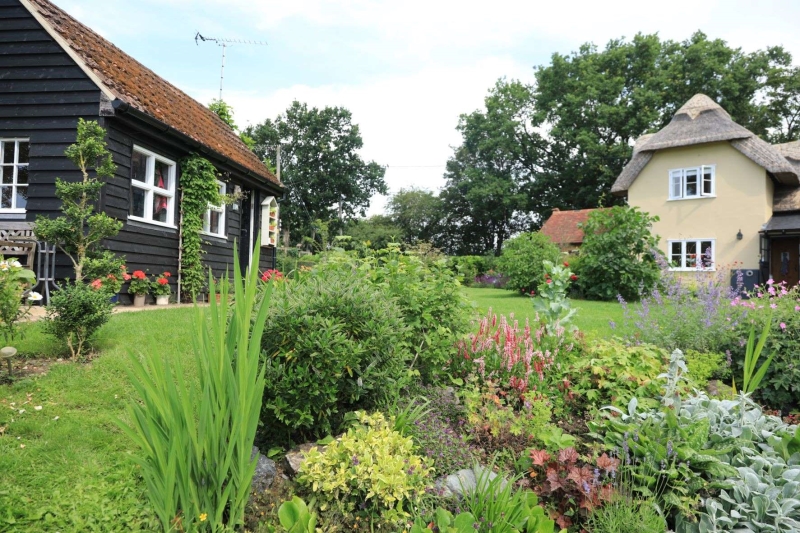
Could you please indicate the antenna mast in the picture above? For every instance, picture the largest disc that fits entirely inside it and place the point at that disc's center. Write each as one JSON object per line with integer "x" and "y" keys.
{"x": 224, "y": 43}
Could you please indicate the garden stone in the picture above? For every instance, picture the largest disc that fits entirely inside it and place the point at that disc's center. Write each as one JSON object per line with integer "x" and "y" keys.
{"x": 294, "y": 458}
{"x": 461, "y": 482}
{"x": 465, "y": 480}
{"x": 265, "y": 472}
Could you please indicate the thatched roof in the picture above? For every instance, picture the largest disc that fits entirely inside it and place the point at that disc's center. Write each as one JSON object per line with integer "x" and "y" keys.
{"x": 699, "y": 121}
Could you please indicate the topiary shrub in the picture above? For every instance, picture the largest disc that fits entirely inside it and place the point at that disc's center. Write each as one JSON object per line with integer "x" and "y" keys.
{"x": 75, "y": 313}
{"x": 522, "y": 260}
{"x": 332, "y": 344}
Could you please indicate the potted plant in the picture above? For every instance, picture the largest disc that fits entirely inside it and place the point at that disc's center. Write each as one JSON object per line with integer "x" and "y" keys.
{"x": 107, "y": 272}
{"x": 139, "y": 287}
{"x": 161, "y": 288}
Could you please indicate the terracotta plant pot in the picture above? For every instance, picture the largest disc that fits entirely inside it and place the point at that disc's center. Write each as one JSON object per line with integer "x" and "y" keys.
{"x": 138, "y": 300}
{"x": 162, "y": 299}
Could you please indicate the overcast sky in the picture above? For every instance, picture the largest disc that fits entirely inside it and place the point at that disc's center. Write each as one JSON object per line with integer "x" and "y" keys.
{"x": 405, "y": 68}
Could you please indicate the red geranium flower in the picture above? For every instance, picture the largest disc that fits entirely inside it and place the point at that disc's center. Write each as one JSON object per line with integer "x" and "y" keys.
{"x": 573, "y": 277}
{"x": 138, "y": 274}
{"x": 163, "y": 281}
{"x": 270, "y": 274}
{"x": 566, "y": 264}
{"x": 549, "y": 280}
{"x": 96, "y": 284}
{"x": 533, "y": 293}
{"x": 126, "y": 277}
{"x": 167, "y": 274}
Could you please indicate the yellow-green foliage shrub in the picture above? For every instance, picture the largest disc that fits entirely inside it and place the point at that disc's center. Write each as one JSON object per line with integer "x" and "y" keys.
{"x": 371, "y": 474}
{"x": 704, "y": 366}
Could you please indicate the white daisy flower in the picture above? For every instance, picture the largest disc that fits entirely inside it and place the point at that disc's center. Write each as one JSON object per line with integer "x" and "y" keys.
{"x": 35, "y": 296}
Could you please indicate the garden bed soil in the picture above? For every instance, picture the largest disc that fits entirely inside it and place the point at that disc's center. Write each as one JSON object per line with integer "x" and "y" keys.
{"x": 23, "y": 368}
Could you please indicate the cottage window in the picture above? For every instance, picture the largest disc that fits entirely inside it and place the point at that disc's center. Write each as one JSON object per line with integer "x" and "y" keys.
{"x": 152, "y": 188}
{"x": 14, "y": 171}
{"x": 214, "y": 220}
{"x": 694, "y": 182}
{"x": 693, "y": 254}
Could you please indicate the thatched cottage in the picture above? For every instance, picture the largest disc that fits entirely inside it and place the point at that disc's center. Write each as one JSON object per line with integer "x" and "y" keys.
{"x": 725, "y": 197}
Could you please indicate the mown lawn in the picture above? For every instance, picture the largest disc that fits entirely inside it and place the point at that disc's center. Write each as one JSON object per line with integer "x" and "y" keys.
{"x": 64, "y": 463}
{"x": 592, "y": 317}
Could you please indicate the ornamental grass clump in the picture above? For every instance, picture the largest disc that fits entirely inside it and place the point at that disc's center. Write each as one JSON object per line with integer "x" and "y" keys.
{"x": 195, "y": 442}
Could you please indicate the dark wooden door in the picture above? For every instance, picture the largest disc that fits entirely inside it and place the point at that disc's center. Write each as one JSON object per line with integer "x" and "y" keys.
{"x": 784, "y": 263}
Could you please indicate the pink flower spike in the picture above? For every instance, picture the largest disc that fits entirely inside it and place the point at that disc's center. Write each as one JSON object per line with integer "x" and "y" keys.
{"x": 783, "y": 326}
{"x": 773, "y": 306}
{"x": 770, "y": 281}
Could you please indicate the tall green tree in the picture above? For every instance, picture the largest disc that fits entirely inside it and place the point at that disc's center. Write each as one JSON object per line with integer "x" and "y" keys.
{"x": 596, "y": 103}
{"x": 225, "y": 112}
{"x": 562, "y": 141}
{"x": 486, "y": 198}
{"x": 325, "y": 176}
{"x": 375, "y": 232}
{"x": 418, "y": 214}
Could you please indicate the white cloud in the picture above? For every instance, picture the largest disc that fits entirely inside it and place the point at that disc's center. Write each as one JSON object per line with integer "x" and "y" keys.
{"x": 405, "y": 121}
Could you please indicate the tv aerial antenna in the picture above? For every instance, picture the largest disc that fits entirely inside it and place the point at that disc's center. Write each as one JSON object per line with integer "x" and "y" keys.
{"x": 224, "y": 43}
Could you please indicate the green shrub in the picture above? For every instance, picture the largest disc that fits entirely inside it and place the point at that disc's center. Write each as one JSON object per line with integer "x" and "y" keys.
{"x": 429, "y": 296}
{"x": 522, "y": 260}
{"x": 370, "y": 473}
{"x": 617, "y": 254}
{"x": 105, "y": 269}
{"x": 780, "y": 386}
{"x": 705, "y": 366}
{"x": 332, "y": 344}
{"x": 75, "y": 313}
{"x": 196, "y": 442}
{"x": 609, "y": 372}
{"x": 13, "y": 283}
{"x": 470, "y": 266}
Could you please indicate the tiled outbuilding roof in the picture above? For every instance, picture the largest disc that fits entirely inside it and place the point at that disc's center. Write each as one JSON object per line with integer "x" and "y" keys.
{"x": 142, "y": 89}
{"x": 562, "y": 226}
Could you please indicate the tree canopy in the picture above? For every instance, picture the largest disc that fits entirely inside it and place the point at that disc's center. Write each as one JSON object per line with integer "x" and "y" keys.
{"x": 325, "y": 176}
{"x": 562, "y": 141}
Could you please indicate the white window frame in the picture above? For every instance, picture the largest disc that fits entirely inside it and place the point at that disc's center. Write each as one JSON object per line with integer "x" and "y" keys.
{"x": 678, "y": 176}
{"x": 682, "y": 267}
{"x": 149, "y": 188}
{"x": 15, "y": 165}
{"x": 219, "y": 209}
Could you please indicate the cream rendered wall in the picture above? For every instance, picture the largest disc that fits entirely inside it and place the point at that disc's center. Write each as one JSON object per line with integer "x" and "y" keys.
{"x": 743, "y": 201}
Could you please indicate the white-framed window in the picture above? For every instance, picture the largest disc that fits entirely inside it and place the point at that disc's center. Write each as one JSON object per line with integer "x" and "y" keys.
{"x": 152, "y": 188}
{"x": 694, "y": 182}
{"x": 692, "y": 254}
{"x": 14, "y": 157}
{"x": 214, "y": 220}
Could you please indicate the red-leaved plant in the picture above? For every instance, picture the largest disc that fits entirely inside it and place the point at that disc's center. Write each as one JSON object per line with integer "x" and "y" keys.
{"x": 570, "y": 484}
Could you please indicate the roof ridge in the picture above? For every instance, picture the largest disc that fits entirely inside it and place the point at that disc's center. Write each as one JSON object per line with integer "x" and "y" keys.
{"x": 80, "y": 40}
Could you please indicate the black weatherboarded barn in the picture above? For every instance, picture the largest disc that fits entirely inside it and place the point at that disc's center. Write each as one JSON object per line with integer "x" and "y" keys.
{"x": 53, "y": 71}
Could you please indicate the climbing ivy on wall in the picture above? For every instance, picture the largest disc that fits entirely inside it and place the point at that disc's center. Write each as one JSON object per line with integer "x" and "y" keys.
{"x": 199, "y": 189}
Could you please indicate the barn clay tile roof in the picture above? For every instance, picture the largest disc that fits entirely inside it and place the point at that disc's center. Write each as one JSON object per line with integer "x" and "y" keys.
{"x": 145, "y": 91}
{"x": 562, "y": 226}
